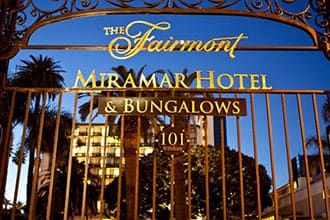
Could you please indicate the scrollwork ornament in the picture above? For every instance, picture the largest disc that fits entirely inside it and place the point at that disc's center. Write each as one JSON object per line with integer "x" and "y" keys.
{"x": 81, "y": 5}
{"x": 258, "y": 5}
{"x": 310, "y": 13}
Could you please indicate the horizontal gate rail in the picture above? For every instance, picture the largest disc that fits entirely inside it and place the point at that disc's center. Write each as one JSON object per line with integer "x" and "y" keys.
{"x": 256, "y": 99}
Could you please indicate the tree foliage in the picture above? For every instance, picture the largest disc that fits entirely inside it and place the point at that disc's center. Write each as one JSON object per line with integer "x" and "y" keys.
{"x": 198, "y": 185}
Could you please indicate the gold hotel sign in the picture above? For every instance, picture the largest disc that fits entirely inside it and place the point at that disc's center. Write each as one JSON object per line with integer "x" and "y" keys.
{"x": 168, "y": 106}
{"x": 131, "y": 42}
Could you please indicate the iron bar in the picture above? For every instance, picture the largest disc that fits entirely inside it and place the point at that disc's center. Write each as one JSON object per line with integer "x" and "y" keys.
{"x": 106, "y": 47}
{"x": 272, "y": 159}
{"x": 53, "y": 166}
{"x": 68, "y": 180}
{"x": 172, "y": 188}
{"x": 89, "y": 134}
{"x": 288, "y": 157}
{"x": 206, "y": 152}
{"x": 177, "y": 90}
{"x": 223, "y": 166}
{"x": 122, "y": 136}
{"x": 255, "y": 151}
{"x": 104, "y": 167}
{"x": 136, "y": 197}
{"x": 6, "y": 145}
{"x": 21, "y": 152}
{"x": 189, "y": 161}
{"x": 240, "y": 165}
{"x": 320, "y": 147}
{"x": 154, "y": 171}
{"x": 33, "y": 200}
{"x": 304, "y": 145}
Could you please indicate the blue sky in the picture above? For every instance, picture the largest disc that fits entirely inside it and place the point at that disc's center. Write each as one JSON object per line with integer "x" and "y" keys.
{"x": 285, "y": 70}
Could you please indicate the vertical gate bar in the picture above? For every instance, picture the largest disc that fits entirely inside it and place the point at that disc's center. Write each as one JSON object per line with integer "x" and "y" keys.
{"x": 154, "y": 171}
{"x": 172, "y": 188}
{"x": 240, "y": 166}
{"x": 320, "y": 146}
{"x": 223, "y": 166}
{"x": 288, "y": 156}
{"x": 172, "y": 171}
{"x": 53, "y": 166}
{"x": 122, "y": 124}
{"x": 104, "y": 164}
{"x": 5, "y": 157}
{"x": 68, "y": 179}
{"x": 32, "y": 208}
{"x": 272, "y": 159}
{"x": 304, "y": 145}
{"x": 255, "y": 149}
{"x": 207, "y": 187}
{"x": 21, "y": 151}
{"x": 136, "y": 210}
{"x": 189, "y": 163}
{"x": 89, "y": 131}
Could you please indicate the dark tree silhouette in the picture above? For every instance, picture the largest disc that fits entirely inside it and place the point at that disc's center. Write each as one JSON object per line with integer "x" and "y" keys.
{"x": 198, "y": 182}
{"x": 40, "y": 72}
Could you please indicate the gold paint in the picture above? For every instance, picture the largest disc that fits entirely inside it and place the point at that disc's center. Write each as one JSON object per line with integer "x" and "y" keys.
{"x": 80, "y": 78}
{"x": 153, "y": 105}
{"x": 222, "y": 106}
{"x": 130, "y": 80}
{"x": 166, "y": 80}
{"x": 139, "y": 105}
{"x": 167, "y": 103}
{"x": 144, "y": 41}
{"x": 128, "y": 106}
{"x": 236, "y": 108}
{"x": 264, "y": 82}
{"x": 146, "y": 83}
{"x": 113, "y": 80}
{"x": 202, "y": 107}
{"x": 241, "y": 80}
{"x": 184, "y": 107}
{"x": 179, "y": 80}
{"x": 199, "y": 79}
{"x": 254, "y": 81}
{"x": 230, "y": 78}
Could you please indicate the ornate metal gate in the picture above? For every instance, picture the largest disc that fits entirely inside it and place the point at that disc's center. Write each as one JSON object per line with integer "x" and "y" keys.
{"x": 207, "y": 192}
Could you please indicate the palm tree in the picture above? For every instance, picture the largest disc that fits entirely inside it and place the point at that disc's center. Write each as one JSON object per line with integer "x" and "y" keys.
{"x": 39, "y": 72}
{"x": 130, "y": 141}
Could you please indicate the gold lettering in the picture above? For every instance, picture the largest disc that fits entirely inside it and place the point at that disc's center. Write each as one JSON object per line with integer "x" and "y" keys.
{"x": 129, "y": 80}
{"x": 230, "y": 81}
{"x": 155, "y": 45}
{"x": 254, "y": 81}
{"x": 236, "y": 107}
{"x": 199, "y": 79}
{"x": 193, "y": 107}
{"x": 139, "y": 104}
{"x": 223, "y": 106}
{"x": 179, "y": 80}
{"x": 241, "y": 80}
{"x": 80, "y": 78}
{"x": 174, "y": 107}
{"x": 184, "y": 107}
{"x": 145, "y": 83}
{"x": 166, "y": 80}
{"x": 112, "y": 80}
{"x": 158, "y": 107}
{"x": 202, "y": 107}
{"x": 264, "y": 82}
{"x": 233, "y": 47}
{"x": 128, "y": 106}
